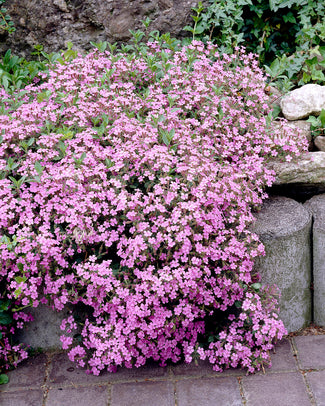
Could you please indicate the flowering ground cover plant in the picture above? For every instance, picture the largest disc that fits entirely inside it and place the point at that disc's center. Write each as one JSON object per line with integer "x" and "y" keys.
{"x": 127, "y": 184}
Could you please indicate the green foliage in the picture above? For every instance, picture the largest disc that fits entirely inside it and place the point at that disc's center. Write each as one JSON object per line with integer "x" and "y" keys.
{"x": 6, "y": 23}
{"x": 16, "y": 72}
{"x": 3, "y": 379}
{"x": 288, "y": 36}
{"x": 318, "y": 124}
{"x": 5, "y": 313}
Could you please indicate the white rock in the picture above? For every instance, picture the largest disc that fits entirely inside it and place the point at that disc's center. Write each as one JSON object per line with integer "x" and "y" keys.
{"x": 302, "y": 102}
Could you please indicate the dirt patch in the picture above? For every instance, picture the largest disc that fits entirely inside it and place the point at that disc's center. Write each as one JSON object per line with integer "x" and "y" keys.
{"x": 311, "y": 330}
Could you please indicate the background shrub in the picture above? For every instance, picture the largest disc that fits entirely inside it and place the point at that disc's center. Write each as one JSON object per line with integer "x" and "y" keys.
{"x": 288, "y": 36}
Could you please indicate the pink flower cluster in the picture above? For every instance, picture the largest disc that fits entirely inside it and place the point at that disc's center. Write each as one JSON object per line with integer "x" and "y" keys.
{"x": 127, "y": 188}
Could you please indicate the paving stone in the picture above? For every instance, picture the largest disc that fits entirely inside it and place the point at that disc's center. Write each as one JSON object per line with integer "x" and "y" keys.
{"x": 65, "y": 373}
{"x": 284, "y": 227}
{"x": 316, "y": 205}
{"x": 30, "y": 373}
{"x": 22, "y": 398}
{"x": 90, "y": 396}
{"x": 143, "y": 393}
{"x": 148, "y": 371}
{"x": 208, "y": 392}
{"x": 282, "y": 359}
{"x": 316, "y": 381}
{"x": 203, "y": 368}
{"x": 275, "y": 389}
{"x": 311, "y": 351}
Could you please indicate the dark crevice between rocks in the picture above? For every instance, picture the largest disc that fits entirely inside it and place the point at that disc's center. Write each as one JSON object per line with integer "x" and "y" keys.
{"x": 311, "y": 244}
{"x": 299, "y": 192}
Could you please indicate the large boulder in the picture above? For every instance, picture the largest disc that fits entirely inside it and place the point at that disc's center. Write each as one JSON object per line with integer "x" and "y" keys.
{"x": 316, "y": 205}
{"x": 308, "y": 169}
{"x": 53, "y": 23}
{"x": 284, "y": 227}
{"x": 302, "y": 102}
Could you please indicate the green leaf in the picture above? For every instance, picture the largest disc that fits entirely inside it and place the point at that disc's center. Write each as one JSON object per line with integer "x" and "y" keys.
{"x": 238, "y": 304}
{"x": 5, "y": 318}
{"x": 313, "y": 120}
{"x": 312, "y": 61}
{"x": 276, "y": 111}
{"x": 108, "y": 163}
{"x": 20, "y": 266}
{"x": 256, "y": 286}
{"x": 3, "y": 379}
{"x": 318, "y": 75}
{"x": 322, "y": 118}
{"x": 39, "y": 168}
{"x": 165, "y": 138}
{"x": 20, "y": 279}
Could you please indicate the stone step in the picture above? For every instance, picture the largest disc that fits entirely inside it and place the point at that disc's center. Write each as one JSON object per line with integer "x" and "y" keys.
{"x": 316, "y": 206}
{"x": 284, "y": 227}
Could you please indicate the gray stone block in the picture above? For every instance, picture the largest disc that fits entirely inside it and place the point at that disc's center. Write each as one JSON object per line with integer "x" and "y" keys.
{"x": 316, "y": 205}
{"x": 208, "y": 392}
{"x": 316, "y": 380}
{"x": 311, "y": 354}
{"x": 44, "y": 332}
{"x": 29, "y": 374}
{"x": 282, "y": 389}
{"x": 22, "y": 398}
{"x": 284, "y": 227}
{"x": 143, "y": 393}
{"x": 82, "y": 396}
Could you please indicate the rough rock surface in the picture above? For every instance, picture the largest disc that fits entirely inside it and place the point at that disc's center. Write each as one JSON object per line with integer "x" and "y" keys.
{"x": 307, "y": 169}
{"x": 53, "y": 23}
{"x": 302, "y": 102}
{"x": 316, "y": 205}
{"x": 320, "y": 142}
{"x": 284, "y": 227}
{"x": 44, "y": 332}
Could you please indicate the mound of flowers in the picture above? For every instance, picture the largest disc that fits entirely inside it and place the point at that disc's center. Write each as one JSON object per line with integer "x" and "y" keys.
{"x": 127, "y": 185}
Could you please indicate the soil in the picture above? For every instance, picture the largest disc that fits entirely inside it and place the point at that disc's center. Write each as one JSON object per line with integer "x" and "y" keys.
{"x": 310, "y": 330}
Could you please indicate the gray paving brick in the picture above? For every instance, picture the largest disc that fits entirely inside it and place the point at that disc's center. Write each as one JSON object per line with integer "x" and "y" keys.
{"x": 208, "y": 392}
{"x": 281, "y": 389}
{"x": 148, "y": 371}
{"x": 143, "y": 394}
{"x": 203, "y": 368}
{"x": 30, "y": 373}
{"x": 282, "y": 359}
{"x": 91, "y": 396}
{"x": 316, "y": 381}
{"x": 311, "y": 351}
{"x": 22, "y": 398}
{"x": 65, "y": 373}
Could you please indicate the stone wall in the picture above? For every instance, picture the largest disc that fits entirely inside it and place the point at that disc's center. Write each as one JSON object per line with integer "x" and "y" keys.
{"x": 53, "y": 23}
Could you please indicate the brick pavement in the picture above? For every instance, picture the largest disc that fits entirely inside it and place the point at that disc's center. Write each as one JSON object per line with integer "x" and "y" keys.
{"x": 296, "y": 378}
